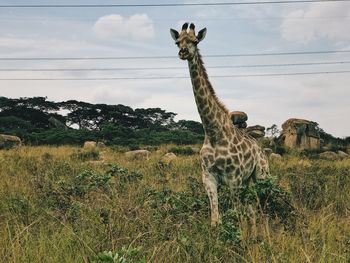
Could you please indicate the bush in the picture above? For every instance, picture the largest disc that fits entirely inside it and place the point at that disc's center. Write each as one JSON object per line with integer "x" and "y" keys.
{"x": 271, "y": 198}
{"x": 125, "y": 255}
{"x": 176, "y": 204}
{"x": 182, "y": 150}
{"x": 229, "y": 231}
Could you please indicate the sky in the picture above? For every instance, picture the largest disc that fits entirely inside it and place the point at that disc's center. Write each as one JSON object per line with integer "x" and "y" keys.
{"x": 144, "y": 31}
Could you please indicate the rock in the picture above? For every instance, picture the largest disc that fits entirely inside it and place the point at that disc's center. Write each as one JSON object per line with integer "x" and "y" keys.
{"x": 138, "y": 154}
{"x": 329, "y": 155}
{"x": 9, "y": 141}
{"x": 300, "y": 134}
{"x": 342, "y": 154}
{"x": 268, "y": 151}
{"x": 275, "y": 156}
{"x": 304, "y": 163}
{"x": 90, "y": 144}
{"x": 256, "y": 131}
{"x": 239, "y": 119}
{"x": 101, "y": 145}
{"x": 169, "y": 157}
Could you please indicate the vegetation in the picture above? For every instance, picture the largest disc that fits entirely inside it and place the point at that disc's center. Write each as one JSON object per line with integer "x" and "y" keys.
{"x": 38, "y": 121}
{"x": 62, "y": 204}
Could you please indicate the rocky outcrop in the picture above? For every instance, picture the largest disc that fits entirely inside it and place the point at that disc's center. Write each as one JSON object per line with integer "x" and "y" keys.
{"x": 300, "y": 134}
{"x": 256, "y": 131}
{"x": 329, "y": 155}
{"x": 268, "y": 151}
{"x": 239, "y": 119}
{"x": 90, "y": 144}
{"x": 169, "y": 157}
{"x": 275, "y": 156}
{"x": 342, "y": 154}
{"x": 138, "y": 154}
{"x": 9, "y": 141}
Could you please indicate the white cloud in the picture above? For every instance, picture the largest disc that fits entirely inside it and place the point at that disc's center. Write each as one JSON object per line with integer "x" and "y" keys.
{"x": 329, "y": 21}
{"x": 137, "y": 27}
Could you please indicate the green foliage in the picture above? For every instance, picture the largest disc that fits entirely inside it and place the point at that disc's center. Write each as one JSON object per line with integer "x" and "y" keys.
{"x": 38, "y": 121}
{"x": 176, "y": 204}
{"x": 19, "y": 205}
{"x": 182, "y": 150}
{"x": 125, "y": 255}
{"x": 271, "y": 198}
{"x": 124, "y": 176}
{"x": 228, "y": 230}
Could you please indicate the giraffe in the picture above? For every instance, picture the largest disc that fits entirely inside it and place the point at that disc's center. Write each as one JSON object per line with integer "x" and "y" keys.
{"x": 229, "y": 155}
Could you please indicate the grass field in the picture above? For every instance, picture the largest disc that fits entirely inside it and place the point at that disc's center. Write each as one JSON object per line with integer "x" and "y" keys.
{"x": 56, "y": 205}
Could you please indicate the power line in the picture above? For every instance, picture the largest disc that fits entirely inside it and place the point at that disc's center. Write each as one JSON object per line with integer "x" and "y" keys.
{"x": 168, "y": 57}
{"x": 168, "y": 19}
{"x": 170, "y": 68}
{"x": 171, "y": 4}
{"x": 181, "y": 77}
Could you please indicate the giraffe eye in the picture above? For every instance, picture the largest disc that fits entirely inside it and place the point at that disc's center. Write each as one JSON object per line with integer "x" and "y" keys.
{"x": 177, "y": 43}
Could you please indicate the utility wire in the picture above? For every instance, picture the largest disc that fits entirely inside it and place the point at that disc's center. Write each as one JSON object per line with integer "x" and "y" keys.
{"x": 169, "y": 68}
{"x": 171, "y": 4}
{"x": 167, "y": 57}
{"x": 183, "y": 77}
{"x": 168, "y": 19}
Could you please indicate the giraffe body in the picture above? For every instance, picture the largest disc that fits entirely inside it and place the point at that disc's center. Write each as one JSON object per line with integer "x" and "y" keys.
{"x": 228, "y": 155}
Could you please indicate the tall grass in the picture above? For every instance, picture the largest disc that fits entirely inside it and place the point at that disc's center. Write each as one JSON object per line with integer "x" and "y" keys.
{"x": 55, "y": 208}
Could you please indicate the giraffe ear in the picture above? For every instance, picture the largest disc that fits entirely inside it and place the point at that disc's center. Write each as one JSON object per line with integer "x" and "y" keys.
{"x": 201, "y": 34}
{"x": 174, "y": 34}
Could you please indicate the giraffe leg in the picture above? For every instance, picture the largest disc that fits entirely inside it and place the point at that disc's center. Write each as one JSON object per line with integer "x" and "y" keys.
{"x": 210, "y": 185}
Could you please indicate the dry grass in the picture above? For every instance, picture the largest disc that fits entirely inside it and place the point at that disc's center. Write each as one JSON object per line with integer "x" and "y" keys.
{"x": 52, "y": 210}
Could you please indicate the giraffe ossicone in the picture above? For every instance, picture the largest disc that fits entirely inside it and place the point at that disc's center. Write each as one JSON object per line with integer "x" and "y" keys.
{"x": 228, "y": 155}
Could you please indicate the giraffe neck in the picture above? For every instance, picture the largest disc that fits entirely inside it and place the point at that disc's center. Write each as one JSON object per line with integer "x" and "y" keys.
{"x": 213, "y": 113}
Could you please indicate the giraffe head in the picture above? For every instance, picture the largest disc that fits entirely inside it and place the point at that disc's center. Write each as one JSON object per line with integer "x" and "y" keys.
{"x": 187, "y": 40}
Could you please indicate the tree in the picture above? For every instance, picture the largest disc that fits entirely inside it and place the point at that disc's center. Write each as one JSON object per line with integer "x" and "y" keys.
{"x": 193, "y": 126}
{"x": 273, "y": 131}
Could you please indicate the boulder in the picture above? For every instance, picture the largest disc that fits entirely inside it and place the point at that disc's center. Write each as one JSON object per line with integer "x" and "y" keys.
{"x": 300, "y": 134}
{"x": 90, "y": 144}
{"x": 239, "y": 119}
{"x": 342, "y": 154}
{"x": 101, "y": 145}
{"x": 169, "y": 157}
{"x": 9, "y": 141}
{"x": 305, "y": 163}
{"x": 329, "y": 155}
{"x": 256, "y": 131}
{"x": 275, "y": 156}
{"x": 268, "y": 151}
{"x": 138, "y": 154}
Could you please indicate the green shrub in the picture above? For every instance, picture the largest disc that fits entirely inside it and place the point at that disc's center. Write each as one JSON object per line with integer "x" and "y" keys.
{"x": 182, "y": 150}
{"x": 228, "y": 230}
{"x": 176, "y": 204}
{"x": 271, "y": 198}
{"x": 125, "y": 255}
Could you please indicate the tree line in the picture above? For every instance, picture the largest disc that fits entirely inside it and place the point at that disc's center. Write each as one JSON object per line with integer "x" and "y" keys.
{"x": 39, "y": 121}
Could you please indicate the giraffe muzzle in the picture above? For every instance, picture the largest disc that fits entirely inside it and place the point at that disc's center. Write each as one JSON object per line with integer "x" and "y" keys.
{"x": 183, "y": 53}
